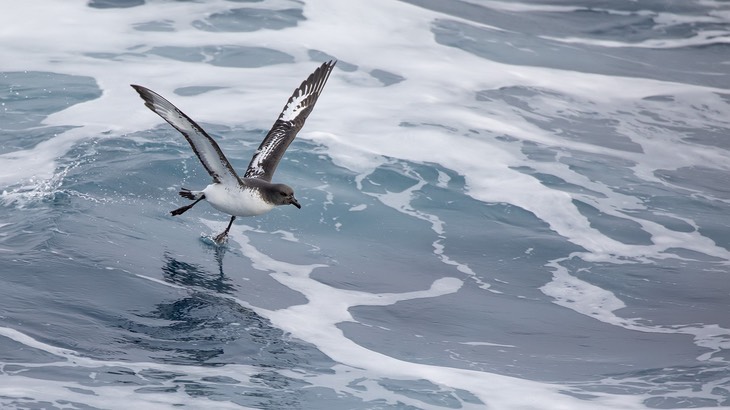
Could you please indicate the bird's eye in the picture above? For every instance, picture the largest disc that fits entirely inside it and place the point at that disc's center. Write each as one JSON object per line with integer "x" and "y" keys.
{"x": 283, "y": 193}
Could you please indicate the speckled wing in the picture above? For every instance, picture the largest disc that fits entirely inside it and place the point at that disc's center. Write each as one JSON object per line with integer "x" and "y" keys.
{"x": 297, "y": 109}
{"x": 203, "y": 145}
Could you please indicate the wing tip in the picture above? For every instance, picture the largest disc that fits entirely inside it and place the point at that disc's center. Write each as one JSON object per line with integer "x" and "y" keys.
{"x": 148, "y": 96}
{"x": 145, "y": 93}
{"x": 320, "y": 75}
{"x": 327, "y": 67}
{"x": 140, "y": 89}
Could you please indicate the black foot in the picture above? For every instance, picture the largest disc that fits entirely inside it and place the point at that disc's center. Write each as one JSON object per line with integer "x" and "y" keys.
{"x": 221, "y": 238}
{"x": 224, "y": 235}
{"x": 181, "y": 210}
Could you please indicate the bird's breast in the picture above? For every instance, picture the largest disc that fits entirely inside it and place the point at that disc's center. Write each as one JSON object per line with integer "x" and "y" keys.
{"x": 236, "y": 201}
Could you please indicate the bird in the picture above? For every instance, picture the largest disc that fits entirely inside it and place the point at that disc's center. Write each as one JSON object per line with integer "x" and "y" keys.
{"x": 254, "y": 193}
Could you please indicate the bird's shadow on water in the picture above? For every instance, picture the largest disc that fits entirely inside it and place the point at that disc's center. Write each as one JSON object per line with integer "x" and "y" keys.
{"x": 201, "y": 326}
{"x": 207, "y": 327}
{"x": 192, "y": 275}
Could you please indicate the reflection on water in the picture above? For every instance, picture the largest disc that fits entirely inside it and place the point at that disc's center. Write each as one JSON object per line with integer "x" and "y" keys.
{"x": 188, "y": 274}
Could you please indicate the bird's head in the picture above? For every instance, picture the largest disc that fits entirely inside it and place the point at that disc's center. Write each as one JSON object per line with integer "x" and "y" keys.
{"x": 284, "y": 195}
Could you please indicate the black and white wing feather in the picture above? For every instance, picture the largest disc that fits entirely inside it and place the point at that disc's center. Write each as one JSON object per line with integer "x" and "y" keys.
{"x": 290, "y": 121}
{"x": 203, "y": 145}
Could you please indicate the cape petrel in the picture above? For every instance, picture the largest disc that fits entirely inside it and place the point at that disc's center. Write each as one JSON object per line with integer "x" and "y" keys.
{"x": 254, "y": 194}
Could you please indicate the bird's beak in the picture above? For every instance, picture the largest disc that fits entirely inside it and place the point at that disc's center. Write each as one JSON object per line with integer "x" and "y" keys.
{"x": 294, "y": 202}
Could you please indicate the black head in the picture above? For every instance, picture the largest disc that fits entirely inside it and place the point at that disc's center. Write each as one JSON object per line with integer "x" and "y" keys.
{"x": 282, "y": 194}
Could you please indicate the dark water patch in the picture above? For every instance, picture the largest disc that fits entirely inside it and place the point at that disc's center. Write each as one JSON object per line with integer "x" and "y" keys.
{"x": 707, "y": 189}
{"x": 321, "y": 57}
{"x": 156, "y": 26}
{"x": 538, "y": 152}
{"x": 660, "y": 98}
{"x": 709, "y": 135}
{"x": 386, "y": 77}
{"x": 195, "y": 90}
{"x": 113, "y": 56}
{"x": 621, "y": 229}
{"x": 711, "y": 181}
{"x": 408, "y": 124}
{"x": 114, "y": 4}
{"x": 555, "y": 182}
{"x": 693, "y": 255}
{"x": 595, "y": 167}
{"x": 250, "y": 19}
{"x": 28, "y": 97}
{"x": 660, "y": 217}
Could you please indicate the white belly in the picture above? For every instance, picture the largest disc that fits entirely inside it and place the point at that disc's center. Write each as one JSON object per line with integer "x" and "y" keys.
{"x": 236, "y": 201}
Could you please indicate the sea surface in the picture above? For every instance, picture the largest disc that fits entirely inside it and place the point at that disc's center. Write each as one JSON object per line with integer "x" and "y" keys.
{"x": 505, "y": 205}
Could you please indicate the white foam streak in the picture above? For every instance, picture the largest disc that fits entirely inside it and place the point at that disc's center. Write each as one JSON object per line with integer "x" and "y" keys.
{"x": 38, "y": 162}
{"x": 30, "y": 342}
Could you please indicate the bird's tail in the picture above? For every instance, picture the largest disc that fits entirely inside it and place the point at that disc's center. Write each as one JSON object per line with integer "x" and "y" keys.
{"x": 191, "y": 195}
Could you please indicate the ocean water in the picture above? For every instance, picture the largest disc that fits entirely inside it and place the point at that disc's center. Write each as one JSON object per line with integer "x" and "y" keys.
{"x": 505, "y": 205}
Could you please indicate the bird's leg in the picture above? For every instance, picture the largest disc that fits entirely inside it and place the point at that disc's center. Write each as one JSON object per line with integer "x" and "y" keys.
{"x": 222, "y": 237}
{"x": 181, "y": 210}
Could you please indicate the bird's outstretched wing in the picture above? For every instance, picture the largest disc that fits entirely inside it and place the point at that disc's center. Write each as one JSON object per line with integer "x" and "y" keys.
{"x": 203, "y": 145}
{"x": 290, "y": 121}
